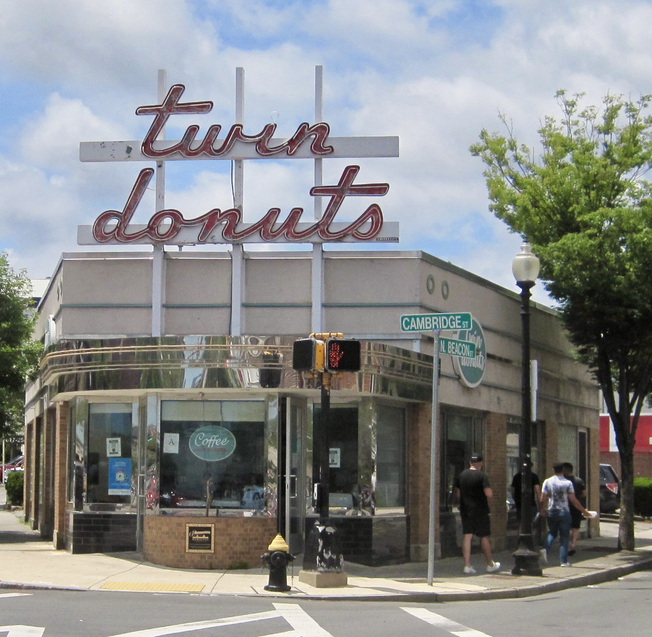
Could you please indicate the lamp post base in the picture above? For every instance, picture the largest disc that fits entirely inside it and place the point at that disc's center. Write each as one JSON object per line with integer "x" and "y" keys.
{"x": 526, "y": 559}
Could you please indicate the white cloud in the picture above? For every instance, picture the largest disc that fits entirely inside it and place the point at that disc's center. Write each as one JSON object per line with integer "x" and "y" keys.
{"x": 434, "y": 73}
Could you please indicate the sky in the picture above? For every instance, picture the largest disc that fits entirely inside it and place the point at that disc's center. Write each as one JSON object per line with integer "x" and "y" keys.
{"x": 435, "y": 73}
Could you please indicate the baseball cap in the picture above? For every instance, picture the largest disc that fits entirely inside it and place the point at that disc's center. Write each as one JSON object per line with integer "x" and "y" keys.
{"x": 476, "y": 457}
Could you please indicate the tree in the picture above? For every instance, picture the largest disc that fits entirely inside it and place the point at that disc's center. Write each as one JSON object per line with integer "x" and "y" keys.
{"x": 19, "y": 355}
{"x": 586, "y": 207}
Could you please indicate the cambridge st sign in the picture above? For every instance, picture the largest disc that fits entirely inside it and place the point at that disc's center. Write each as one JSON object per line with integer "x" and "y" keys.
{"x": 432, "y": 322}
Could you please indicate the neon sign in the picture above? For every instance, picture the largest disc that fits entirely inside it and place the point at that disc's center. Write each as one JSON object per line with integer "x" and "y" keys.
{"x": 170, "y": 226}
{"x": 210, "y": 147}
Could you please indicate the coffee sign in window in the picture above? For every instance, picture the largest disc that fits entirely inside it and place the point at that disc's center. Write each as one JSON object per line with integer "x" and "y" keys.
{"x": 212, "y": 443}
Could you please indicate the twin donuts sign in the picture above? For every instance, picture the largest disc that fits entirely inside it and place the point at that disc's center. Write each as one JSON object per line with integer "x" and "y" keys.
{"x": 226, "y": 225}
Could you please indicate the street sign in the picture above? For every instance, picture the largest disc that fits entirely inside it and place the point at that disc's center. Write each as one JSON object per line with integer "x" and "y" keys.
{"x": 430, "y": 322}
{"x": 455, "y": 347}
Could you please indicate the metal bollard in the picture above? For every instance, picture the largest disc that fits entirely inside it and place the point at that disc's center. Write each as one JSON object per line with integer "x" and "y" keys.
{"x": 277, "y": 558}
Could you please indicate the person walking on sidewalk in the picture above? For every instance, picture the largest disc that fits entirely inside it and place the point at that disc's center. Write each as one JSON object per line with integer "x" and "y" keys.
{"x": 576, "y": 516}
{"x": 557, "y": 494}
{"x": 474, "y": 493}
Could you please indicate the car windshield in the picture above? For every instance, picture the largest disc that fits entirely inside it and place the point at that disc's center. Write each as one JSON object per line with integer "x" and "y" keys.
{"x": 607, "y": 474}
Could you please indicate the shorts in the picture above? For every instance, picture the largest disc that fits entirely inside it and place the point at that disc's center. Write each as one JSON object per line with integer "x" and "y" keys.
{"x": 576, "y": 518}
{"x": 476, "y": 524}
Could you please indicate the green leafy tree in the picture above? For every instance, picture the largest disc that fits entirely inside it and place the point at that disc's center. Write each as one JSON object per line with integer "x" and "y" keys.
{"x": 586, "y": 207}
{"x": 19, "y": 354}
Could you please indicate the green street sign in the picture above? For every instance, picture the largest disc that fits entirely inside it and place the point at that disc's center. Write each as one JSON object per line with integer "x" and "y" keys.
{"x": 455, "y": 347}
{"x": 431, "y": 322}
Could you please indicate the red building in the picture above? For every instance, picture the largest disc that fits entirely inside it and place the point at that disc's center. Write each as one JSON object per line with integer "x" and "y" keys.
{"x": 642, "y": 448}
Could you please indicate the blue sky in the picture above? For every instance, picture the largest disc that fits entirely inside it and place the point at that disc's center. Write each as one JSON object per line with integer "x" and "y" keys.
{"x": 433, "y": 72}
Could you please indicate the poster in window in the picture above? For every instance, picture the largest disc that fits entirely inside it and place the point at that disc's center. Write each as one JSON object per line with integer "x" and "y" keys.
{"x": 170, "y": 443}
{"x": 335, "y": 458}
{"x": 119, "y": 476}
{"x": 113, "y": 448}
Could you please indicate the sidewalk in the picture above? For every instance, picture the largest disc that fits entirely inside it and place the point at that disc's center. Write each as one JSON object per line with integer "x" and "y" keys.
{"x": 27, "y": 562}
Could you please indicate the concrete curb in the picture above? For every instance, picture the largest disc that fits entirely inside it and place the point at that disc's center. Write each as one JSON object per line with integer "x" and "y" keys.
{"x": 512, "y": 592}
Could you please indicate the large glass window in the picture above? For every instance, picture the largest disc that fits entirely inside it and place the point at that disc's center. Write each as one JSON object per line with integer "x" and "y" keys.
{"x": 109, "y": 468}
{"x": 463, "y": 435}
{"x": 77, "y": 452}
{"x": 514, "y": 453}
{"x": 343, "y": 455}
{"x": 366, "y": 459}
{"x": 212, "y": 454}
{"x": 390, "y": 458}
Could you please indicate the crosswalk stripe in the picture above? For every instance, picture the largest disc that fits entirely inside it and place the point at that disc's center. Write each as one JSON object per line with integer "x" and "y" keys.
{"x": 302, "y": 623}
{"x": 201, "y": 625}
{"x": 22, "y": 631}
{"x": 444, "y": 623}
{"x": 14, "y": 594}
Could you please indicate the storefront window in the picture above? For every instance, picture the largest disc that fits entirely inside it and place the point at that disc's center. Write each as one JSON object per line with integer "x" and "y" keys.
{"x": 343, "y": 456}
{"x": 212, "y": 454}
{"x": 366, "y": 460}
{"x": 514, "y": 453}
{"x": 390, "y": 458}
{"x": 77, "y": 453}
{"x": 463, "y": 435}
{"x": 109, "y": 462}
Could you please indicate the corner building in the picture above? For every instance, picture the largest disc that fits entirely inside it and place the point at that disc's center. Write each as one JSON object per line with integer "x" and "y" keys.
{"x": 197, "y": 446}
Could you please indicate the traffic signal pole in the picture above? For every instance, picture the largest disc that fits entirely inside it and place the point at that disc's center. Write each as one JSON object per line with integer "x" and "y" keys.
{"x": 324, "y": 447}
{"x": 324, "y": 354}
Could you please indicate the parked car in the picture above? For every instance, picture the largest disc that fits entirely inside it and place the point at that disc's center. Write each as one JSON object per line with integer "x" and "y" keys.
{"x": 15, "y": 464}
{"x": 609, "y": 489}
{"x": 253, "y": 497}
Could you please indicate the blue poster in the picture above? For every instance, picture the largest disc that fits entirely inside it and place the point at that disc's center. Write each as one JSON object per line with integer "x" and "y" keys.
{"x": 119, "y": 476}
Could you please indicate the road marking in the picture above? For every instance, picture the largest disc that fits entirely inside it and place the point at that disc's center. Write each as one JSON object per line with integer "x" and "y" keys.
{"x": 202, "y": 625}
{"x": 303, "y": 624}
{"x": 444, "y": 623}
{"x": 22, "y": 631}
{"x": 15, "y": 594}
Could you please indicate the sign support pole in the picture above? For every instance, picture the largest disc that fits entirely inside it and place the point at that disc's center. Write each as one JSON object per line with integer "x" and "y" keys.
{"x": 158, "y": 261}
{"x": 433, "y": 459}
{"x": 237, "y": 255}
{"x": 318, "y": 248}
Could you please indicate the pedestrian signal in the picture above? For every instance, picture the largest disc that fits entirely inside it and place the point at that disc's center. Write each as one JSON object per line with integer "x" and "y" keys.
{"x": 308, "y": 355}
{"x": 270, "y": 372}
{"x": 342, "y": 355}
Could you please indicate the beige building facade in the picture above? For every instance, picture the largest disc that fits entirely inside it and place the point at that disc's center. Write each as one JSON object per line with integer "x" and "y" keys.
{"x": 195, "y": 446}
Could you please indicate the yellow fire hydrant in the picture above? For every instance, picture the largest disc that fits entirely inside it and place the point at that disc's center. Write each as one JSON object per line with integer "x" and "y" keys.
{"x": 277, "y": 558}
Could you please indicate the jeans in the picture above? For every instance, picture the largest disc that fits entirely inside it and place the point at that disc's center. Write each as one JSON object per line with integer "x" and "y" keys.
{"x": 559, "y": 522}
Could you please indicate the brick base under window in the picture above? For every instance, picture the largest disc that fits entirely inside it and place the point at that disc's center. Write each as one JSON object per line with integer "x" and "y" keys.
{"x": 238, "y": 542}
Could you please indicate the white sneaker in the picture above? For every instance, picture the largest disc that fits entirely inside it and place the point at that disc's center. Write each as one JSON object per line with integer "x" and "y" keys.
{"x": 543, "y": 556}
{"x": 495, "y": 567}
{"x": 469, "y": 570}
{"x": 567, "y": 564}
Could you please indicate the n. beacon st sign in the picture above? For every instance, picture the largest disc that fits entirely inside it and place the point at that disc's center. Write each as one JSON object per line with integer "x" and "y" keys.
{"x": 170, "y": 226}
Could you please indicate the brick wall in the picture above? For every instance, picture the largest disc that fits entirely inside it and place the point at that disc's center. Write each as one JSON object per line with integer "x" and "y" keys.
{"x": 642, "y": 462}
{"x": 237, "y": 541}
{"x": 419, "y": 417}
{"x": 495, "y": 463}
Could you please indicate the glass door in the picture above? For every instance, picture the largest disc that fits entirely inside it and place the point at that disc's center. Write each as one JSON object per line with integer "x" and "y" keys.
{"x": 297, "y": 489}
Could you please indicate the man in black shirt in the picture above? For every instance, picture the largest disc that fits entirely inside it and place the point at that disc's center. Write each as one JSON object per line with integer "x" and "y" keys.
{"x": 474, "y": 492}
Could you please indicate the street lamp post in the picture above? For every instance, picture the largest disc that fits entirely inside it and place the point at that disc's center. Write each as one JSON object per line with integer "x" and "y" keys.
{"x": 525, "y": 267}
